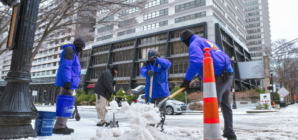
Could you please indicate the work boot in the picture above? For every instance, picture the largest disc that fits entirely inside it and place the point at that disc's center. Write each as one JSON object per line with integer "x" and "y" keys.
{"x": 64, "y": 131}
{"x": 70, "y": 129}
{"x": 230, "y": 136}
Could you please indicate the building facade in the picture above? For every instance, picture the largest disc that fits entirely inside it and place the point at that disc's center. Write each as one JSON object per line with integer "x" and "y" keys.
{"x": 159, "y": 27}
{"x": 258, "y": 27}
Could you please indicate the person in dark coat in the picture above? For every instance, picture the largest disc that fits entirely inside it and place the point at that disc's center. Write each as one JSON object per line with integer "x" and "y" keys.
{"x": 68, "y": 77}
{"x": 103, "y": 89}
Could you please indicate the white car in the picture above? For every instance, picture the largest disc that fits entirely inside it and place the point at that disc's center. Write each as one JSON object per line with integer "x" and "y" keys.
{"x": 173, "y": 106}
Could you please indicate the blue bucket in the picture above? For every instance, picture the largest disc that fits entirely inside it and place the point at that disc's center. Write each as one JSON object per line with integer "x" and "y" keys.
{"x": 64, "y": 106}
{"x": 44, "y": 123}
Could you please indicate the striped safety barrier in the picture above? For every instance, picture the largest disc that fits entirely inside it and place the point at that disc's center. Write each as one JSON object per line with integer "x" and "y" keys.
{"x": 211, "y": 116}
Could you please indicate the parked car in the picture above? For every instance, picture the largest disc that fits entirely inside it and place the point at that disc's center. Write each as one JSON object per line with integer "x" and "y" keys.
{"x": 173, "y": 106}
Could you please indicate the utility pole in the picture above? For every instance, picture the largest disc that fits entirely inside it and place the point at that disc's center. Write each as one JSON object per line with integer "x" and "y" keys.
{"x": 16, "y": 106}
{"x": 271, "y": 82}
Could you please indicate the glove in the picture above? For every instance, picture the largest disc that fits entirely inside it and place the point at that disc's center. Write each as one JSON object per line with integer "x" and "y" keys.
{"x": 114, "y": 83}
{"x": 150, "y": 73}
{"x": 152, "y": 58}
{"x": 67, "y": 86}
{"x": 185, "y": 84}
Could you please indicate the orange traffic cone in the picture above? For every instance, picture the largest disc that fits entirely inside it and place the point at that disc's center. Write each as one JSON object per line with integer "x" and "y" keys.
{"x": 211, "y": 115}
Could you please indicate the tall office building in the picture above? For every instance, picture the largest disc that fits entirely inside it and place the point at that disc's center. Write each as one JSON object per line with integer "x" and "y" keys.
{"x": 159, "y": 26}
{"x": 257, "y": 26}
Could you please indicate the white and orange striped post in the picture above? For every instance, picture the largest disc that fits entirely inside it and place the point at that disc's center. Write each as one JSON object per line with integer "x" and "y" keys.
{"x": 211, "y": 116}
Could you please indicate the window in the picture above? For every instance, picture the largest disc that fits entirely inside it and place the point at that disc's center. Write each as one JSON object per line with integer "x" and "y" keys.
{"x": 252, "y": 2}
{"x": 254, "y": 42}
{"x": 253, "y": 19}
{"x": 100, "y": 59}
{"x": 34, "y": 67}
{"x": 127, "y": 22}
{"x": 54, "y": 64}
{"x": 190, "y": 17}
{"x": 253, "y": 25}
{"x": 48, "y": 72}
{"x": 44, "y": 66}
{"x": 129, "y": 11}
{"x": 50, "y": 57}
{"x": 197, "y": 30}
{"x": 39, "y": 66}
{"x": 102, "y": 11}
{"x": 230, "y": 21}
{"x": 253, "y": 31}
{"x": 155, "y": 25}
{"x": 233, "y": 33}
{"x": 96, "y": 72}
{"x": 43, "y": 73}
{"x": 178, "y": 48}
{"x": 126, "y": 32}
{"x": 44, "y": 59}
{"x": 53, "y": 71}
{"x": 240, "y": 13}
{"x": 220, "y": 21}
{"x": 241, "y": 23}
{"x": 105, "y": 28}
{"x": 50, "y": 51}
{"x": 33, "y": 74}
{"x": 156, "y": 14}
{"x": 108, "y": 18}
{"x": 38, "y": 73}
{"x": 190, "y": 5}
{"x": 123, "y": 56}
{"x": 143, "y": 52}
{"x": 253, "y": 13}
{"x": 49, "y": 65}
{"x": 255, "y": 48}
{"x": 253, "y": 36}
{"x": 155, "y": 3}
{"x": 104, "y": 37}
{"x": 179, "y": 65}
{"x": 125, "y": 44}
{"x": 231, "y": 11}
{"x": 251, "y": 8}
{"x": 35, "y": 61}
{"x": 241, "y": 33}
{"x": 218, "y": 8}
{"x": 124, "y": 70}
{"x": 151, "y": 40}
{"x": 101, "y": 49}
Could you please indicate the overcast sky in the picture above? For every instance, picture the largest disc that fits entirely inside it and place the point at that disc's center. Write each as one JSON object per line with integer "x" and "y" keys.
{"x": 284, "y": 19}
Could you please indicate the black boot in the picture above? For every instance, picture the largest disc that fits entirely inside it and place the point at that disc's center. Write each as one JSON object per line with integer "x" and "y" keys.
{"x": 230, "y": 136}
{"x": 70, "y": 129}
{"x": 64, "y": 131}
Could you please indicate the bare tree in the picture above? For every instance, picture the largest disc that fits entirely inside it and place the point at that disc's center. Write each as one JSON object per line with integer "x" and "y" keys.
{"x": 66, "y": 15}
{"x": 283, "y": 61}
{"x": 5, "y": 16}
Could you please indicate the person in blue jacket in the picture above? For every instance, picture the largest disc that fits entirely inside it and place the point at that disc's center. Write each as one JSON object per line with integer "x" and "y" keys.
{"x": 222, "y": 70}
{"x": 158, "y": 68}
{"x": 68, "y": 77}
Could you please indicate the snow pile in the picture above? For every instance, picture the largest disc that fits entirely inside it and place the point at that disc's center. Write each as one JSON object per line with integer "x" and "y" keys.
{"x": 114, "y": 106}
{"x": 141, "y": 115}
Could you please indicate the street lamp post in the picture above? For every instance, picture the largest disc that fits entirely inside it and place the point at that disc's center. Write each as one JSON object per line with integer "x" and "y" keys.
{"x": 234, "y": 96}
{"x": 271, "y": 82}
{"x": 16, "y": 106}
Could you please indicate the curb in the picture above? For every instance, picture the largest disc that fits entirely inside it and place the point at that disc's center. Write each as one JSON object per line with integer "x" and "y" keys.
{"x": 262, "y": 111}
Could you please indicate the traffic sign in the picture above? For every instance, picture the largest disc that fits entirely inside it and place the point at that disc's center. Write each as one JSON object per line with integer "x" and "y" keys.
{"x": 34, "y": 93}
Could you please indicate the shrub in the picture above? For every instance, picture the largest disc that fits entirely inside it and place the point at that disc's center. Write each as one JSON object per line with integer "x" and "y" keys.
{"x": 120, "y": 93}
{"x": 87, "y": 97}
{"x": 266, "y": 105}
{"x": 81, "y": 98}
{"x": 180, "y": 96}
{"x": 131, "y": 98}
{"x": 79, "y": 92}
{"x": 259, "y": 106}
{"x": 276, "y": 97}
{"x": 92, "y": 99}
{"x": 195, "y": 106}
{"x": 257, "y": 89}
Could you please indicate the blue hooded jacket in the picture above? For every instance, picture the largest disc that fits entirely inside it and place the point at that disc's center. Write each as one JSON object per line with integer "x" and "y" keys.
{"x": 196, "y": 56}
{"x": 160, "y": 78}
{"x": 69, "y": 69}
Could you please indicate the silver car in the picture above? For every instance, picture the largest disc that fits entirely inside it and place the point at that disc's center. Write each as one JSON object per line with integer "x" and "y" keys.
{"x": 173, "y": 106}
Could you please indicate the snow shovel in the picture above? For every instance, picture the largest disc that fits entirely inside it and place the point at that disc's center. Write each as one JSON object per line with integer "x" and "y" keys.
{"x": 176, "y": 93}
{"x": 114, "y": 124}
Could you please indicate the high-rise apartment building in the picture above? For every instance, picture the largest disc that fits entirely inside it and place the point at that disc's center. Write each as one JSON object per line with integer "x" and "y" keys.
{"x": 258, "y": 27}
{"x": 159, "y": 26}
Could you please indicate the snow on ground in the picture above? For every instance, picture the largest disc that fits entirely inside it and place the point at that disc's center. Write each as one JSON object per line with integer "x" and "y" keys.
{"x": 281, "y": 125}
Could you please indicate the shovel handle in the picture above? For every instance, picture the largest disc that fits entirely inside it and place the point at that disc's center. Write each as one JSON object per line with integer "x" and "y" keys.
{"x": 150, "y": 92}
{"x": 182, "y": 89}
